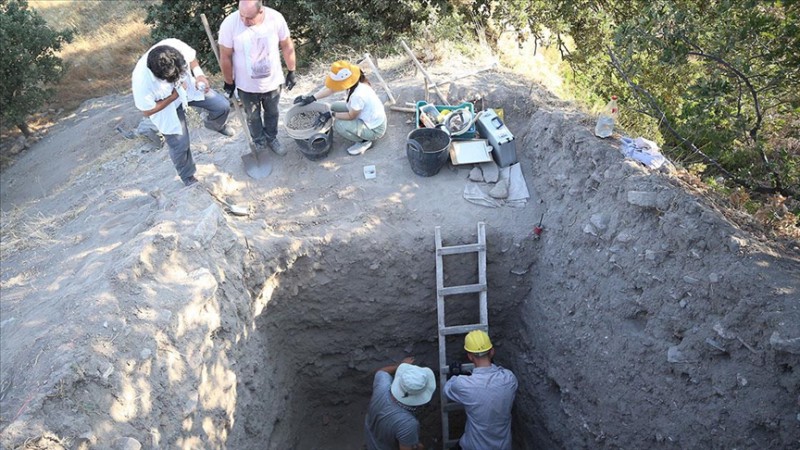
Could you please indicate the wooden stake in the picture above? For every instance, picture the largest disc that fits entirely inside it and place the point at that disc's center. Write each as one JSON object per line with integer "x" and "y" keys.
{"x": 374, "y": 68}
{"x": 424, "y": 74}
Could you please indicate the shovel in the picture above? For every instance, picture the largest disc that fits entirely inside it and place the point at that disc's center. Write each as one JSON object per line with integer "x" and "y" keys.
{"x": 255, "y": 164}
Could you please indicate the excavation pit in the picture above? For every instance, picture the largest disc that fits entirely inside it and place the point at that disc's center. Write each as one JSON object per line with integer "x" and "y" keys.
{"x": 327, "y": 327}
{"x": 643, "y": 316}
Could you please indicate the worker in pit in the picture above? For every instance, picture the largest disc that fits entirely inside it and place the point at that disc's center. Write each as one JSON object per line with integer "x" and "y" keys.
{"x": 360, "y": 119}
{"x": 397, "y": 392}
{"x": 487, "y": 395}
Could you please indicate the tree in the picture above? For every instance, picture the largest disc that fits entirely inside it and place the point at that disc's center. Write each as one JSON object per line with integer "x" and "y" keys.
{"x": 315, "y": 25}
{"x": 28, "y": 62}
{"x": 740, "y": 82}
{"x": 180, "y": 19}
{"x": 717, "y": 81}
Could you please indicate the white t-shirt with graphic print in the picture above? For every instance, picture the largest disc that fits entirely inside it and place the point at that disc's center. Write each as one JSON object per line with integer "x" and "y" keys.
{"x": 256, "y": 50}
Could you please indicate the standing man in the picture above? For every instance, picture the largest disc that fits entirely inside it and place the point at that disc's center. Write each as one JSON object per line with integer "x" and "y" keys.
{"x": 165, "y": 81}
{"x": 487, "y": 396}
{"x": 251, "y": 41}
{"x": 397, "y": 391}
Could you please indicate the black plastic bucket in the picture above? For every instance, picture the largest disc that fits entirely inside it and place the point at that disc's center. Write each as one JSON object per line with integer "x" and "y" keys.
{"x": 317, "y": 146}
{"x": 426, "y": 149}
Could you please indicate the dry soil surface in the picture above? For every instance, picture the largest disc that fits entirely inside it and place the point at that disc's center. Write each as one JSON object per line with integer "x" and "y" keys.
{"x": 136, "y": 311}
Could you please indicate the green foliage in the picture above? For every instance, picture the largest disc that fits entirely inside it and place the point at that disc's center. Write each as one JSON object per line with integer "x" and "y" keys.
{"x": 713, "y": 81}
{"x": 28, "y": 63}
{"x": 316, "y": 26}
{"x": 180, "y": 19}
{"x": 354, "y": 24}
{"x": 718, "y": 76}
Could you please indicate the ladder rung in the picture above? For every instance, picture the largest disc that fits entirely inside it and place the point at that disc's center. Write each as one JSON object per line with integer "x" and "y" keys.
{"x": 465, "y": 367}
{"x": 458, "y": 249}
{"x": 463, "y": 329}
{"x": 465, "y": 289}
{"x": 450, "y": 443}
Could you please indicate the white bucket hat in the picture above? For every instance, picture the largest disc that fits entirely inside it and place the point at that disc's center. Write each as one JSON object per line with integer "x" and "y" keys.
{"x": 413, "y": 385}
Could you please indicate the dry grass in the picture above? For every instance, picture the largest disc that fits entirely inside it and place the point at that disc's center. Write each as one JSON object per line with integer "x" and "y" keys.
{"x": 542, "y": 64}
{"x": 111, "y": 35}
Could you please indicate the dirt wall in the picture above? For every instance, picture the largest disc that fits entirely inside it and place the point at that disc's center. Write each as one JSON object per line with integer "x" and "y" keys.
{"x": 653, "y": 322}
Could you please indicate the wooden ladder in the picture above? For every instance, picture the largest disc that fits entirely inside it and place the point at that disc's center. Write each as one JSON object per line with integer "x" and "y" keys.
{"x": 441, "y": 293}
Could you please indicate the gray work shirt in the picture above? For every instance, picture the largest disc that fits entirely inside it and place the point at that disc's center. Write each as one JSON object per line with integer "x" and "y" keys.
{"x": 388, "y": 423}
{"x": 487, "y": 396}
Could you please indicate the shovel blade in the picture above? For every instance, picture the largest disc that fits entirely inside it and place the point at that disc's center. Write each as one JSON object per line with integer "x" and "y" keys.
{"x": 256, "y": 165}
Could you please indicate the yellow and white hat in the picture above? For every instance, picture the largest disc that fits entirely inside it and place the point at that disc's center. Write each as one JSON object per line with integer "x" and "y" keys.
{"x": 343, "y": 75}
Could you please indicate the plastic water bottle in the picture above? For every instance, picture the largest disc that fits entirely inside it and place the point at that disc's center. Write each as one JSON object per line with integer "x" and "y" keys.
{"x": 605, "y": 123}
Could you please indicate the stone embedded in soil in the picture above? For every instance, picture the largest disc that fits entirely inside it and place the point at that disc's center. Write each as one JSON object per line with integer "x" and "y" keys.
{"x": 600, "y": 221}
{"x": 674, "y": 355}
{"x": 127, "y": 443}
{"x": 643, "y": 199}
{"x": 741, "y": 380}
{"x": 788, "y": 345}
{"x": 736, "y": 243}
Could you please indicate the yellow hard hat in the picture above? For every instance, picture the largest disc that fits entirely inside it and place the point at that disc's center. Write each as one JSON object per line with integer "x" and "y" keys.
{"x": 477, "y": 341}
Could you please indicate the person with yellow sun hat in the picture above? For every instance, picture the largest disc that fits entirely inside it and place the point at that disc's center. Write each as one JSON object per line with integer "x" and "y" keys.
{"x": 361, "y": 118}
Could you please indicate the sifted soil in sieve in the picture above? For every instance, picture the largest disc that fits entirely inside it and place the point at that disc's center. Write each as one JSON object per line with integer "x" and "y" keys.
{"x": 303, "y": 121}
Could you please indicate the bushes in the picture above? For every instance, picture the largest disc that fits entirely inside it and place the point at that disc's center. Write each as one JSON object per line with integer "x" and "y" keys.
{"x": 181, "y": 19}
{"x": 27, "y": 63}
{"x": 316, "y": 26}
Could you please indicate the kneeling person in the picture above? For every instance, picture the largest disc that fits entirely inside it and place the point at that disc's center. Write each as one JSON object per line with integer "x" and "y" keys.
{"x": 361, "y": 118}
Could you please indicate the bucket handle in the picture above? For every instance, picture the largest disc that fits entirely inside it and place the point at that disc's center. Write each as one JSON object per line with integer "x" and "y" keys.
{"x": 413, "y": 144}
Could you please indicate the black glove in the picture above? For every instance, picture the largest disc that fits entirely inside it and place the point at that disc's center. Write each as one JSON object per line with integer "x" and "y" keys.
{"x": 229, "y": 88}
{"x": 455, "y": 368}
{"x": 303, "y": 100}
{"x": 322, "y": 119}
{"x": 290, "y": 81}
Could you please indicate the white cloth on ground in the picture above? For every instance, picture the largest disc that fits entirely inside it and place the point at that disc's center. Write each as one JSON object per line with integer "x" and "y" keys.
{"x": 642, "y": 150}
{"x": 518, "y": 193}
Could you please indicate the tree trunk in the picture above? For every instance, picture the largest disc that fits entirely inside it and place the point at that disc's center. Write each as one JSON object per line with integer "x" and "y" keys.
{"x": 25, "y": 130}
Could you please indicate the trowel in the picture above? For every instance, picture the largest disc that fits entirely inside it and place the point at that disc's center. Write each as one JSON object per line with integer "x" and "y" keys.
{"x": 236, "y": 210}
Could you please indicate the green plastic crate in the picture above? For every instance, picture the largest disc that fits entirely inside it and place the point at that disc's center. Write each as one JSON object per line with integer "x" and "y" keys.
{"x": 470, "y": 134}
